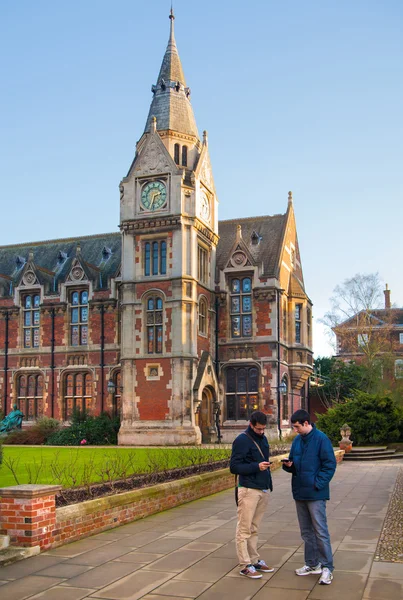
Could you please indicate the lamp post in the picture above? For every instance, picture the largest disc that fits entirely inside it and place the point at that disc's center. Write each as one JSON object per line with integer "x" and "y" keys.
{"x": 111, "y": 387}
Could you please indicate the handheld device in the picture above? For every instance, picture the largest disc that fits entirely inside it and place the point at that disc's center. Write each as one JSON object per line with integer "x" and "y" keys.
{"x": 285, "y": 460}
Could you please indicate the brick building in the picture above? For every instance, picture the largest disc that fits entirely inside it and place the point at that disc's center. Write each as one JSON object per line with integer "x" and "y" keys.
{"x": 175, "y": 322}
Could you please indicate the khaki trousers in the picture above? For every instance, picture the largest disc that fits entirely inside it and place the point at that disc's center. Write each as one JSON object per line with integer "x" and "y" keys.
{"x": 251, "y": 507}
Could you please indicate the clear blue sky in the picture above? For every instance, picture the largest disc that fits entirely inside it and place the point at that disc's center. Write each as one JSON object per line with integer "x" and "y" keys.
{"x": 302, "y": 96}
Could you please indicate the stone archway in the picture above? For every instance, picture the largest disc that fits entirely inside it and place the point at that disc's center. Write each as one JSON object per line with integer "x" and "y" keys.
{"x": 206, "y": 416}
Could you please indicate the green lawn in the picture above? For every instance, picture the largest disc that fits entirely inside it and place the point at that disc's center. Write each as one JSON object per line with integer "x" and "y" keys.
{"x": 72, "y": 467}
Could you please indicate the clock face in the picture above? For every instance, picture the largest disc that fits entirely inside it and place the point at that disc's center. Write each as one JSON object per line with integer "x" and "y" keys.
{"x": 205, "y": 207}
{"x": 153, "y": 195}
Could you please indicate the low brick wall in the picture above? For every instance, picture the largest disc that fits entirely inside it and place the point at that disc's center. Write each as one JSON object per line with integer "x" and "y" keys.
{"x": 28, "y": 514}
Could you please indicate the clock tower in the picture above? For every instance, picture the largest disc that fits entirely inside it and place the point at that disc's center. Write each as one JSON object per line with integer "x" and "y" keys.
{"x": 169, "y": 224}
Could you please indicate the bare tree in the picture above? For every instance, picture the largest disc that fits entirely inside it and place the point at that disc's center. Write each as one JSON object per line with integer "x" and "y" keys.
{"x": 360, "y": 327}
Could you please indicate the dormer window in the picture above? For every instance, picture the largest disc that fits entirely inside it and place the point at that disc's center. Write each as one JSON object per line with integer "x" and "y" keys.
{"x": 106, "y": 253}
{"x": 255, "y": 238}
{"x": 31, "y": 320}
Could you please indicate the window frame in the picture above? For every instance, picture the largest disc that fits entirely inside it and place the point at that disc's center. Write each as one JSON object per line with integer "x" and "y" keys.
{"x": 26, "y": 400}
{"x": 81, "y": 325}
{"x": 298, "y": 322}
{"x": 237, "y": 308}
{"x": 75, "y": 397}
{"x": 202, "y": 264}
{"x": 400, "y": 338}
{"x": 202, "y": 316}
{"x": 399, "y": 368}
{"x": 251, "y": 397}
{"x": 155, "y": 257}
{"x": 154, "y": 320}
{"x": 31, "y": 331}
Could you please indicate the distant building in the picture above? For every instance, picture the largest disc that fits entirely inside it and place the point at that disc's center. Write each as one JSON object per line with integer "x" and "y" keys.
{"x": 374, "y": 334}
{"x": 178, "y": 322}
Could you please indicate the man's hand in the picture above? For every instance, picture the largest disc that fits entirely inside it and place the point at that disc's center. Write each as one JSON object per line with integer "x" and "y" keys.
{"x": 288, "y": 464}
{"x": 263, "y": 466}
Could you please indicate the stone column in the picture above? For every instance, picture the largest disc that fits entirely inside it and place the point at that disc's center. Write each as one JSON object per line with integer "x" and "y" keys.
{"x": 28, "y": 514}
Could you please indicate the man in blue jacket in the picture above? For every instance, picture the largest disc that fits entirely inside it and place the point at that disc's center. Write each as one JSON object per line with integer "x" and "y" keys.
{"x": 312, "y": 464}
{"x": 250, "y": 460}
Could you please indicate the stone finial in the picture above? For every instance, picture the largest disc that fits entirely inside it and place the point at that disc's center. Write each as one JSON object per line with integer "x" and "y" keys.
{"x": 78, "y": 248}
{"x": 205, "y": 137}
{"x": 289, "y": 198}
{"x": 30, "y": 255}
{"x": 238, "y": 232}
{"x": 153, "y": 127}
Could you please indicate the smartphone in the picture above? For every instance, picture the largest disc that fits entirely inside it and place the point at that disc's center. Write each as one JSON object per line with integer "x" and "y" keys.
{"x": 285, "y": 460}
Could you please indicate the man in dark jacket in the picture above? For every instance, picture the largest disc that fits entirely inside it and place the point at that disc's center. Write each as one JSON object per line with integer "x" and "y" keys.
{"x": 312, "y": 464}
{"x": 250, "y": 460}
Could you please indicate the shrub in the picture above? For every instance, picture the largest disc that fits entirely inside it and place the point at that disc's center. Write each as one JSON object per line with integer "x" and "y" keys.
{"x": 97, "y": 431}
{"x": 373, "y": 419}
{"x": 1, "y": 454}
{"x": 35, "y": 435}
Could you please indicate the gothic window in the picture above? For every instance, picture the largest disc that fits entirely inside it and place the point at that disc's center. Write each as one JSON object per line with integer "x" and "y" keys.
{"x": 30, "y": 396}
{"x": 31, "y": 320}
{"x": 77, "y": 394}
{"x": 284, "y": 402}
{"x": 154, "y": 325}
{"x": 242, "y": 397}
{"x": 308, "y": 325}
{"x": 184, "y": 156}
{"x": 79, "y": 317}
{"x": 285, "y": 316}
{"x": 155, "y": 258}
{"x": 241, "y": 307}
{"x": 298, "y": 316}
{"x": 202, "y": 264}
{"x": 303, "y": 398}
{"x": 399, "y": 368}
{"x": 203, "y": 316}
{"x": 176, "y": 153}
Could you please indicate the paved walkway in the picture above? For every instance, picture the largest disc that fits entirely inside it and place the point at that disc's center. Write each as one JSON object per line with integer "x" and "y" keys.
{"x": 188, "y": 552}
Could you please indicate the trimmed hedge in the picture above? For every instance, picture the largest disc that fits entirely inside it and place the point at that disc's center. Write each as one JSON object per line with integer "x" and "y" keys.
{"x": 94, "y": 431}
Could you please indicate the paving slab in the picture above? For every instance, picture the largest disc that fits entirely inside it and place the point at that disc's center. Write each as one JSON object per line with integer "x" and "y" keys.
{"x": 271, "y": 593}
{"x": 28, "y": 586}
{"x": 133, "y": 586}
{"x": 208, "y": 569}
{"x": 348, "y": 586}
{"x": 62, "y": 593}
{"x": 383, "y": 589}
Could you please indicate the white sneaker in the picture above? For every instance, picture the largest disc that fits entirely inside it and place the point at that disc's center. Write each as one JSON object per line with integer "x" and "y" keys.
{"x": 327, "y": 577}
{"x": 306, "y": 570}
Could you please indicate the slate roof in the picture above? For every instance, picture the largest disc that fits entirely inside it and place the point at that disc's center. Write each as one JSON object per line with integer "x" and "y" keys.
{"x": 171, "y": 105}
{"x": 270, "y": 230}
{"x": 100, "y": 256}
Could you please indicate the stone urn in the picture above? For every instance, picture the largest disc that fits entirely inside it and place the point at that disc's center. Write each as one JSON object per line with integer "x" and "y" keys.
{"x": 345, "y": 443}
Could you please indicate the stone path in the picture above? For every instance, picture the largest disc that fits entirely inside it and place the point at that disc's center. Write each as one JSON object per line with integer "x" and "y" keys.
{"x": 188, "y": 552}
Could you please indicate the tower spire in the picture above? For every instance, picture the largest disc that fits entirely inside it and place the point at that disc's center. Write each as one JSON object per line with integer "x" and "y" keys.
{"x": 171, "y": 105}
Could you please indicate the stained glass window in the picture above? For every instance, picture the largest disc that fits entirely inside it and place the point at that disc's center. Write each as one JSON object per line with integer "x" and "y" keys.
{"x": 241, "y": 307}
{"x": 30, "y": 396}
{"x": 154, "y": 325}
{"x": 31, "y": 320}
{"x": 79, "y": 318}
{"x": 241, "y": 392}
{"x": 77, "y": 394}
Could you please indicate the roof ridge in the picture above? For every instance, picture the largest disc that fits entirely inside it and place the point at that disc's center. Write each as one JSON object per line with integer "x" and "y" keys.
{"x": 260, "y": 217}
{"x": 77, "y": 238}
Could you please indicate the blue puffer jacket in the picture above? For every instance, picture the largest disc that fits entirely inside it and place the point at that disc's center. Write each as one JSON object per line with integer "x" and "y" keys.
{"x": 313, "y": 466}
{"x": 245, "y": 459}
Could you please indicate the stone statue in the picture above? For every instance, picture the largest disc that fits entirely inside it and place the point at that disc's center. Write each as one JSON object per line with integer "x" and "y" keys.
{"x": 12, "y": 421}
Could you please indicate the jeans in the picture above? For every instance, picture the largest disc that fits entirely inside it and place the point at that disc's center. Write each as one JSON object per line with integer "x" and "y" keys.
{"x": 314, "y": 532}
{"x": 251, "y": 507}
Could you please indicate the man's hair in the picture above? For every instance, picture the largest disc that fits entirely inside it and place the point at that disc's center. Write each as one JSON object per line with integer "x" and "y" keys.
{"x": 300, "y": 416}
{"x": 258, "y": 417}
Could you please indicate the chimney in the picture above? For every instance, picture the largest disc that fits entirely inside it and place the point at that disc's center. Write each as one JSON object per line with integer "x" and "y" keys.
{"x": 387, "y": 297}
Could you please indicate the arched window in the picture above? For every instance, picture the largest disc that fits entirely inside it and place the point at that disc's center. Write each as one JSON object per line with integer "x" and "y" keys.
{"x": 184, "y": 156}
{"x": 77, "y": 394}
{"x": 242, "y": 392}
{"x": 79, "y": 317}
{"x": 176, "y": 153}
{"x": 284, "y": 399}
{"x": 241, "y": 307}
{"x": 30, "y": 395}
{"x": 399, "y": 368}
{"x": 154, "y": 311}
{"x": 31, "y": 320}
{"x": 203, "y": 316}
